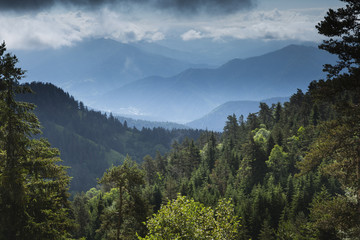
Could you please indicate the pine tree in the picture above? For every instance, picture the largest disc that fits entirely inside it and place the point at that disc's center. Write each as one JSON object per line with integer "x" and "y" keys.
{"x": 265, "y": 115}
{"x": 81, "y": 213}
{"x": 336, "y": 152}
{"x": 126, "y": 179}
{"x": 33, "y": 188}
{"x": 14, "y": 140}
{"x": 342, "y": 27}
{"x": 211, "y": 152}
{"x": 47, "y": 205}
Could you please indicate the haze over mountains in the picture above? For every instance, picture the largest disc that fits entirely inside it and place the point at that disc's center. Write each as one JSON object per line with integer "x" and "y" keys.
{"x": 134, "y": 81}
{"x": 215, "y": 53}
{"x": 195, "y": 92}
{"x": 96, "y": 66}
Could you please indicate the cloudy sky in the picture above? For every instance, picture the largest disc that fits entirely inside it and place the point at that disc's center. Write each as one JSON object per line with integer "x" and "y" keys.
{"x": 39, "y": 24}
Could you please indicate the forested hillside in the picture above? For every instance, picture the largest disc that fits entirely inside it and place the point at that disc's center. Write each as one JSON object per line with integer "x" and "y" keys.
{"x": 89, "y": 141}
{"x": 283, "y": 168}
{"x": 255, "y": 163}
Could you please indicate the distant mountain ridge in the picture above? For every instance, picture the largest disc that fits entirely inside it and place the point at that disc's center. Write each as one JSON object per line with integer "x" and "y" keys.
{"x": 195, "y": 92}
{"x": 94, "y": 67}
{"x": 139, "y": 124}
{"x": 216, "y": 118}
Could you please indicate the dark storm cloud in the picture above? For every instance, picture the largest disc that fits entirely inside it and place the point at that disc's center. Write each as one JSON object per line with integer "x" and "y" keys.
{"x": 208, "y": 6}
{"x": 178, "y": 6}
{"x": 24, "y": 4}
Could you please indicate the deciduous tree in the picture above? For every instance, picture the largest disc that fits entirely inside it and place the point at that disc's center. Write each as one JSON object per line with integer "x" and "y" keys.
{"x": 183, "y": 218}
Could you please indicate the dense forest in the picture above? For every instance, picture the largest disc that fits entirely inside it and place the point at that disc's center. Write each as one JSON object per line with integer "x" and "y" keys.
{"x": 91, "y": 141}
{"x": 289, "y": 171}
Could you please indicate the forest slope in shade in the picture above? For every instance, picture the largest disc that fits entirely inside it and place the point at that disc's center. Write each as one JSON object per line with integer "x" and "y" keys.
{"x": 90, "y": 141}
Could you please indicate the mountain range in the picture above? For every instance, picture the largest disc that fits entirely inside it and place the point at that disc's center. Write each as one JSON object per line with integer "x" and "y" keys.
{"x": 214, "y": 53}
{"x": 195, "y": 92}
{"x": 142, "y": 81}
{"x": 95, "y": 67}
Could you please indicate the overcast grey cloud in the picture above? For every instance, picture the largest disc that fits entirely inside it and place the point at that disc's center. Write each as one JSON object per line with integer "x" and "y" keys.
{"x": 207, "y": 6}
{"x": 176, "y": 6}
{"x": 41, "y": 24}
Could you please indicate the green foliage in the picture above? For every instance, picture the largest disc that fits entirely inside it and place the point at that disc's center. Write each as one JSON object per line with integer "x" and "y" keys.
{"x": 261, "y": 135}
{"x": 184, "y": 218}
{"x": 342, "y": 27}
{"x": 33, "y": 187}
{"x": 297, "y": 229}
{"x": 278, "y": 162}
{"x": 334, "y": 216}
{"x": 47, "y": 196}
{"x": 126, "y": 213}
{"x": 81, "y": 214}
{"x": 266, "y": 233}
{"x": 335, "y": 153}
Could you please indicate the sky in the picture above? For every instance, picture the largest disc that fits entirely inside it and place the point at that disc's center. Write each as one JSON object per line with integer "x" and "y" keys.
{"x": 43, "y": 24}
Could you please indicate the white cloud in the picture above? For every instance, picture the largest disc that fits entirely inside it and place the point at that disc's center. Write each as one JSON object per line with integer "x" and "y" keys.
{"x": 274, "y": 24}
{"x": 191, "y": 35}
{"x": 41, "y": 30}
{"x": 56, "y": 28}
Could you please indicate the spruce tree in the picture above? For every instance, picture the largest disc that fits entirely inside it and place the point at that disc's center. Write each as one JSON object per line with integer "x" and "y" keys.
{"x": 33, "y": 188}
{"x": 14, "y": 140}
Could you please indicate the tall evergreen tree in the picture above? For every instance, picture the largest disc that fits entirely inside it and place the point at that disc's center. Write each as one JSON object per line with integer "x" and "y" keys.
{"x": 33, "y": 188}
{"x": 336, "y": 152}
{"x": 342, "y": 28}
{"x": 126, "y": 178}
{"x": 211, "y": 152}
{"x": 17, "y": 123}
{"x": 265, "y": 115}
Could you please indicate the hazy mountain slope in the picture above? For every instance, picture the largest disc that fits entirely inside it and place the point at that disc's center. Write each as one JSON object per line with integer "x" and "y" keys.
{"x": 216, "y": 118}
{"x": 96, "y": 66}
{"x": 195, "y": 92}
{"x": 89, "y": 141}
{"x": 213, "y": 52}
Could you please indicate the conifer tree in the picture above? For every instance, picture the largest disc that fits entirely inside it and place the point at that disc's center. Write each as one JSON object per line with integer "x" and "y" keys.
{"x": 126, "y": 179}
{"x": 343, "y": 29}
{"x": 14, "y": 140}
{"x": 33, "y": 189}
{"x": 336, "y": 152}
